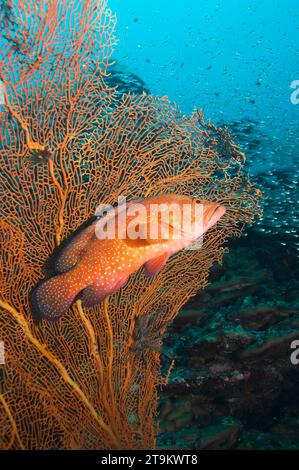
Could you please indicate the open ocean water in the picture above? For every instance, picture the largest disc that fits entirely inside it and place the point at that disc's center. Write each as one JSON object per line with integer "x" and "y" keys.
{"x": 234, "y": 384}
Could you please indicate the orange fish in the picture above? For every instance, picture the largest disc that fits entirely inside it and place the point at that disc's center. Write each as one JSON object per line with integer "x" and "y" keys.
{"x": 98, "y": 261}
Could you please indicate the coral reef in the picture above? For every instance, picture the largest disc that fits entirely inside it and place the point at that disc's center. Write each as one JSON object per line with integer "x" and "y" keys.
{"x": 68, "y": 143}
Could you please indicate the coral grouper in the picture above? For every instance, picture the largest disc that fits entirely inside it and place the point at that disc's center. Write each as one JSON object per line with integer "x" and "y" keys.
{"x": 147, "y": 232}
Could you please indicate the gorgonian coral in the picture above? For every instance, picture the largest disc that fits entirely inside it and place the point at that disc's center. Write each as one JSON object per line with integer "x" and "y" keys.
{"x": 68, "y": 144}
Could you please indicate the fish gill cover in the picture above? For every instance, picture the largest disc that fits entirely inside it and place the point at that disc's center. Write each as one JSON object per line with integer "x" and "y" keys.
{"x": 68, "y": 143}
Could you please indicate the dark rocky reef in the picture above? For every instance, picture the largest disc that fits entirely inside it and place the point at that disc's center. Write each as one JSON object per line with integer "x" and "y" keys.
{"x": 233, "y": 384}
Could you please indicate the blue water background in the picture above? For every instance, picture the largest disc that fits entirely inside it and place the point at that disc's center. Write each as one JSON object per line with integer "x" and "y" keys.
{"x": 235, "y": 59}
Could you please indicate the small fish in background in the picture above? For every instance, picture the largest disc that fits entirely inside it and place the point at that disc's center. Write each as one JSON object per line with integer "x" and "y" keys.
{"x": 93, "y": 267}
{"x": 125, "y": 80}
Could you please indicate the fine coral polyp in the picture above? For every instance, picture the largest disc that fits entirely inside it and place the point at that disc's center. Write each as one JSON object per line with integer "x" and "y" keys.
{"x": 81, "y": 383}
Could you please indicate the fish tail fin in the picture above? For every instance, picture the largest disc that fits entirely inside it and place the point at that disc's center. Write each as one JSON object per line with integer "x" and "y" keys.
{"x": 52, "y": 298}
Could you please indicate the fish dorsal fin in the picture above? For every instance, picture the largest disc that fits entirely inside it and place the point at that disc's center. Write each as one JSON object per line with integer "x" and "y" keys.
{"x": 154, "y": 265}
{"x": 69, "y": 256}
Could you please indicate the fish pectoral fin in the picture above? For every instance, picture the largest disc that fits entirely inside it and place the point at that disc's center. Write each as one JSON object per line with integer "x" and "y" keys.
{"x": 154, "y": 265}
{"x": 143, "y": 238}
{"x": 69, "y": 256}
{"x": 94, "y": 294}
{"x": 136, "y": 243}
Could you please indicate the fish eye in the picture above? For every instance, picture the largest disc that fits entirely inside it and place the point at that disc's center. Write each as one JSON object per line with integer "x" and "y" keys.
{"x": 198, "y": 201}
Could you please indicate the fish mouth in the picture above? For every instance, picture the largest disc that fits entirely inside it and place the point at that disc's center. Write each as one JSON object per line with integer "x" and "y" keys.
{"x": 212, "y": 214}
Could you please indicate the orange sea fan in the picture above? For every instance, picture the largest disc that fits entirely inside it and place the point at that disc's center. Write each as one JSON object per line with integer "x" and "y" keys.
{"x": 68, "y": 144}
